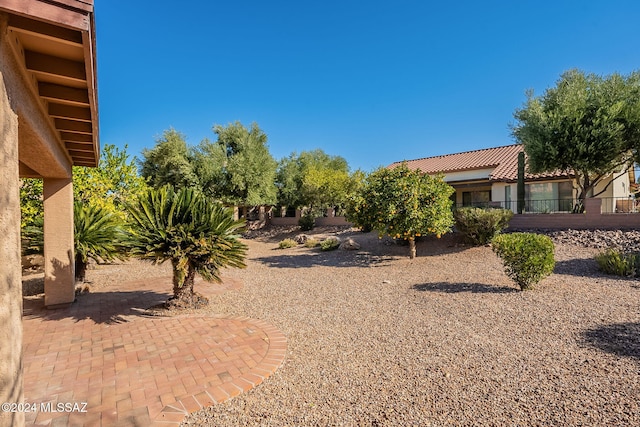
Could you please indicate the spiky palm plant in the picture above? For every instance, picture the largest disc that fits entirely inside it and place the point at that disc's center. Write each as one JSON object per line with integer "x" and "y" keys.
{"x": 97, "y": 235}
{"x": 192, "y": 231}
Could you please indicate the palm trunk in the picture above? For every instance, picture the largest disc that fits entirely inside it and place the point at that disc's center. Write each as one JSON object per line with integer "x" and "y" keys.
{"x": 183, "y": 294}
{"x": 81, "y": 269}
{"x": 183, "y": 291}
{"x": 412, "y": 247}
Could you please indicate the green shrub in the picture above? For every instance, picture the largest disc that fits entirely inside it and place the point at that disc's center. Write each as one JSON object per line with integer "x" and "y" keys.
{"x": 287, "y": 243}
{"x": 613, "y": 261}
{"x": 527, "y": 257}
{"x": 312, "y": 243}
{"x": 307, "y": 222}
{"x": 480, "y": 226}
{"x": 330, "y": 244}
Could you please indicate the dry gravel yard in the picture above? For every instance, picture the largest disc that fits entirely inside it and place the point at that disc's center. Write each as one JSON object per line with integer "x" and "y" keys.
{"x": 445, "y": 339}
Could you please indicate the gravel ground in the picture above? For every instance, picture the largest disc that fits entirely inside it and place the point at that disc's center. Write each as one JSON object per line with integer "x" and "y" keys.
{"x": 376, "y": 339}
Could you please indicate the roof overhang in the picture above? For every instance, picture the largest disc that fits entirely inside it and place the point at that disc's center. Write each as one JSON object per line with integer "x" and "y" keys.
{"x": 55, "y": 43}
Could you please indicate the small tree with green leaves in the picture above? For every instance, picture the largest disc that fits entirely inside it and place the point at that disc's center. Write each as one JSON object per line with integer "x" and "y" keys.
{"x": 404, "y": 204}
{"x": 111, "y": 185}
{"x": 187, "y": 228}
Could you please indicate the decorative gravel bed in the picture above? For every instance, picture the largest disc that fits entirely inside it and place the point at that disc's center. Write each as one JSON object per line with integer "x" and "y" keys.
{"x": 446, "y": 339}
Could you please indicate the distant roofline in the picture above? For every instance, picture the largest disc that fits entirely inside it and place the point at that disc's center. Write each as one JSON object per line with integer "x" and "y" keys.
{"x": 455, "y": 154}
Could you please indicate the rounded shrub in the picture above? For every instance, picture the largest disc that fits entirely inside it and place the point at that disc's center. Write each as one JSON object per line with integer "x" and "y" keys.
{"x": 307, "y": 222}
{"x": 287, "y": 243}
{"x": 329, "y": 244}
{"x": 312, "y": 243}
{"x": 613, "y": 261}
{"x": 479, "y": 226}
{"x": 527, "y": 257}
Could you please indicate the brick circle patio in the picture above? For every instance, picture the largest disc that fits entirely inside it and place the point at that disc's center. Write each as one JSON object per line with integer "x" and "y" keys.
{"x": 134, "y": 369}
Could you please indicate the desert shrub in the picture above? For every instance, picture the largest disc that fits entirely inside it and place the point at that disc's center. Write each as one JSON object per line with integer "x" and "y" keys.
{"x": 287, "y": 243}
{"x": 330, "y": 244}
{"x": 527, "y": 257}
{"x": 312, "y": 243}
{"x": 480, "y": 226}
{"x": 307, "y": 222}
{"x": 615, "y": 262}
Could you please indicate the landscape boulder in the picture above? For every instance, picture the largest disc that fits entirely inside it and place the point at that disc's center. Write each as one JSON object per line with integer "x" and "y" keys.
{"x": 350, "y": 245}
{"x": 301, "y": 239}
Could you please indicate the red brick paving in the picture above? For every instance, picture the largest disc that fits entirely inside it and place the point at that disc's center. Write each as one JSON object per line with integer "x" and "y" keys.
{"x": 138, "y": 370}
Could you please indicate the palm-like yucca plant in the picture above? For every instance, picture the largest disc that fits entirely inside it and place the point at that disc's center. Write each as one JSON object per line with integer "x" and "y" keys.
{"x": 97, "y": 235}
{"x": 192, "y": 231}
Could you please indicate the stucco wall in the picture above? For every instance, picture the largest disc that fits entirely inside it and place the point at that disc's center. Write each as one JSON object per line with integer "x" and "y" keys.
{"x": 10, "y": 271}
{"x": 591, "y": 219}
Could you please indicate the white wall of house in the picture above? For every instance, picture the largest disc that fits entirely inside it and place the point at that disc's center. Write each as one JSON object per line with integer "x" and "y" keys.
{"x": 468, "y": 175}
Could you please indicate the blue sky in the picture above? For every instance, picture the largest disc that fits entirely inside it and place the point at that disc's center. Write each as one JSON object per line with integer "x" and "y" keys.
{"x": 372, "y": 81}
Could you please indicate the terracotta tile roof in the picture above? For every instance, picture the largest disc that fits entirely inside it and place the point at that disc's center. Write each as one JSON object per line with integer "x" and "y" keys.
{"x": 504, "y": 160}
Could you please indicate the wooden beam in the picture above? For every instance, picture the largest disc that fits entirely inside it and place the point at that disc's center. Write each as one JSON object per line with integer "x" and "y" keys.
{"x": 76, "y": 146}
{"x": 73, "y": 126}
{"x": 69, "y": 14}
{"x": 48, "y": 31}
{"x": 63, "y": 94}
{"x": 42, "y": 63}
{"x": 75, "y": 137}
{"x": 81, "y": 155}
{"x": 60, "y": 111}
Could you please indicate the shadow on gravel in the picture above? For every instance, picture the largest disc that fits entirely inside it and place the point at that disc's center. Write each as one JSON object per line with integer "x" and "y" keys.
{"x": 455, "y": 288}
{"x": 577, "y": 267}
{"x": 621, "y": 339}
{"x": 336, "y": 258}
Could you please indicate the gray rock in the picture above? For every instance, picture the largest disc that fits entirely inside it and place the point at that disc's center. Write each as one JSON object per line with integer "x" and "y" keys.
{"x": 301, "y": 239}
{"x": 350, "y": 245}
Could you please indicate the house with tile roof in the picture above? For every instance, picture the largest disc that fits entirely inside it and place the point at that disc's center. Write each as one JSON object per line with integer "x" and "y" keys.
{"x": 488, "y": 177}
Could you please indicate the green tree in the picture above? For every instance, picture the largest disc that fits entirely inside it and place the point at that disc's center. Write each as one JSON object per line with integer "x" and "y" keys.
{"x": 313, "y": 179}
{"x": 31, "y": 208}
{"x": 187, "y": 228}
{"x": 113, "y": 184}
{"x": 404, "y": 204}
{"x": 97, "y": 235}
{"x": 169, "y": 162}
{"x": 238, "y": 167}
{"x": 588, "y": 125}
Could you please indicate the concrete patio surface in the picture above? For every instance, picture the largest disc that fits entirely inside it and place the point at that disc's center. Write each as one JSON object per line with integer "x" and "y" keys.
{"x": 104, "y": 361}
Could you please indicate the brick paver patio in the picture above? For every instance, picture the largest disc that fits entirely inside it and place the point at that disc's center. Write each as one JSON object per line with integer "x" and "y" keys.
{"x": 137, "y": 370}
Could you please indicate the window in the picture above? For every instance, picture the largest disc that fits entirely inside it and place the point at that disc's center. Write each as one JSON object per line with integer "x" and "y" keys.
{"x": 476, "y": 198}
{"x": 548, "y": 197}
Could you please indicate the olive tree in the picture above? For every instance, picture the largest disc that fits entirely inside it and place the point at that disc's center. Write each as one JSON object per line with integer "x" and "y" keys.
{"x": 588, "y": 125}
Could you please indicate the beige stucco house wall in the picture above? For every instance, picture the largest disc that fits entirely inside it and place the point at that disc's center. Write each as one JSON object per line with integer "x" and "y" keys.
{"x": 48, "y": 123}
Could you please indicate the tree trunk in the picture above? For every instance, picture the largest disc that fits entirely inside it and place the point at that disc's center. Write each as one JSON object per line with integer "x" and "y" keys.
{"x": 184, "y": 291}
{"x": 81, "y": 269}
{"x": 412, "y": 247}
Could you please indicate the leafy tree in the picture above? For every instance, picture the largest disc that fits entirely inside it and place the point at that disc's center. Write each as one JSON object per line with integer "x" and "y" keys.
{"x": 31, "y": 208}
{"x": 404, "y": 204}
{"x": 313, "y": 179}
{"x": 238, "y": 167}
{"x": 187, "y": 228}
{"x": 587, "y": 124}
{"x": 113, "y": 184}
{"x": 97, "y": 235}
{"x": 169, "y": 162}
